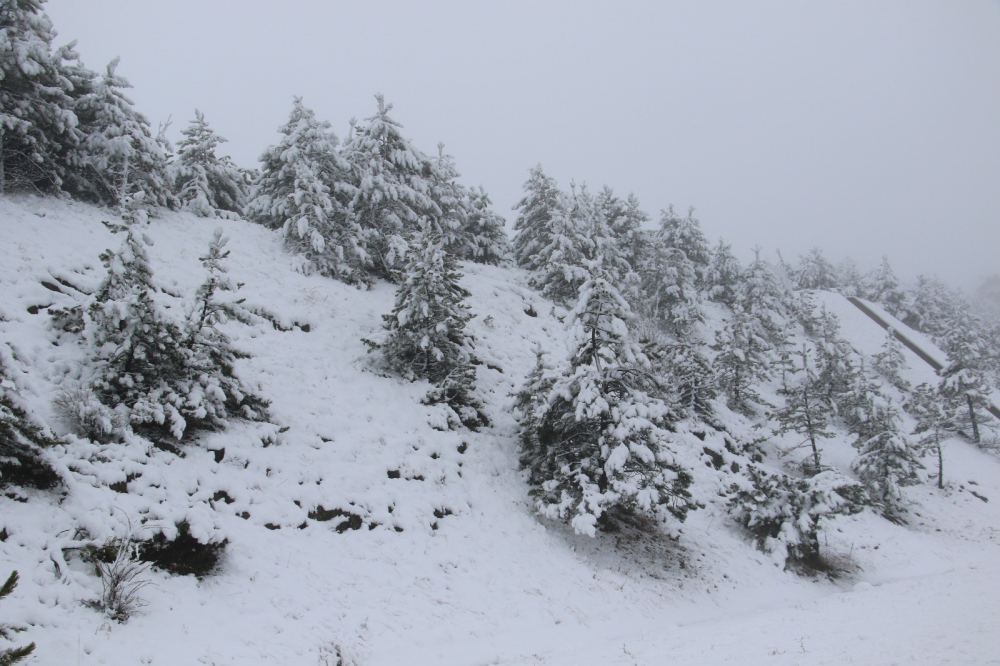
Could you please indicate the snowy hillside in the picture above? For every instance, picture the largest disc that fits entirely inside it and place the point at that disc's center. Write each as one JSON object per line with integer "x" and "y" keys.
{"x": 359, "y": 529}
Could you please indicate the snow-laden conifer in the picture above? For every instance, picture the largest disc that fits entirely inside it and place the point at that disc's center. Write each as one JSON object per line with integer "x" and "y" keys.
{"x": 964, "y": 382}
{"x": 785, "y": 513}
{"x": 891, "y": 362}
{"x": 690, "y": 378}
{"x": 887, "y": 461}
{"x": 487, "y": 239}
{"x": 933, "y": 423}
{"x": 118, "y": 154}
{"x": 723, "y": 274}
{"x": 684, "y": 234}
{"x": 304, "y": 189}
{"x": 392, "y": 197}
{"x": 596, "y": 444}
{"x": 206, "y": 184}
{"x": 815, "y": 272}
{"x": 425, "y": 332}
{"x": 883, "y": 287}
{"x": 742, "y": 361}
{"x": 37, "y": 121}
{"x": 23, "y": 438}
{"x": 542, "y": 203}
{"x": 807, "y": 410}
{"x": 562, "y": 264}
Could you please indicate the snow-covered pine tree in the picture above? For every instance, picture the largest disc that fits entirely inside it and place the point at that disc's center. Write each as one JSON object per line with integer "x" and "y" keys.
{"x": 964, "y": 384}
{"x": 723, "y": 275}
{"x": 602, "y": 241}
{"x": 426, "y": 336}
{"x": 764, "y": 299}
{"x": 933, "y": 423}
{"x": 807, "y": 410}
{"x": 162, "y": 378}
{"x": 685, "y": 234}
{"x": 882, "y": 286}
{"x": 37, "y": 122}
{"x": 933, "y": 307}
{"x": 206, "y": 184}
{"x": 452, "y": 199}
{"x": 137, "y": 350}
{"x": 668, "y": 287}
{"x": 212, "y": 390}
{"x": 849, "y": 279}
{"x": 785, "y": 513}
{"x": 690, "y": 377}
{"x": 392, "y": 199}
{"x": 541, "y": 204}
{"x": 836, "y": 360}
{"x": 22, "y": 437}
{"x": 488, "y": 243}
{"x": 303, "y": 189}
{"x": 886, "y": 460}
{"x": 743, "y": 359}
{"x": 597, "y": 441}
{"x": 627, "y": 222}
{"x": 562, "y": 263}
{"x": 815, "y": 272}
{"x": 596, "y": 444}
{"x": 891, "y": 362}
{"x": 118, "y": 150}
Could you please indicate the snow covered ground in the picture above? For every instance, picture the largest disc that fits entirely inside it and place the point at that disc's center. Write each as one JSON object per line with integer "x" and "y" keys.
{"x": 443, "y": 560}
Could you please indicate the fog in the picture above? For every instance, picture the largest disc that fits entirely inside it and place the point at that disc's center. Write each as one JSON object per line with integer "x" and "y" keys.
{"x": 864, "y": 128}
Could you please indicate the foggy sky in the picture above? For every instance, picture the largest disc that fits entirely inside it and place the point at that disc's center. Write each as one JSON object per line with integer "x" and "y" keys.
{"x": 863, "y": 127}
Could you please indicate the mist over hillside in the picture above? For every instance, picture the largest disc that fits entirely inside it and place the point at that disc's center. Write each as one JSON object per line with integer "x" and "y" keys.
{"x": 336, "y": 410}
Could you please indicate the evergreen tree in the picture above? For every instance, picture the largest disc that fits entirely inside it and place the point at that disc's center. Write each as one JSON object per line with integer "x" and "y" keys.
{"x": 835, "y": 358}
{"x": 964, "y": 383}
{"x": 22, "y": 438}
{"x": 392, "y": 199}
{"x": 206, "y": 184}
{"x": 163, "y": 378}
{"x": 723, "y": 275}
{"x": 37, "y": 122}
{"x": 669, "y": 287}
{"x": 690, "y": 377}
{"x": 762, "y": 296}
{"x": 541, "y": 204}
{"x": 806, "y": 410}
{"x": 562, "y": 263}
{"x": 933, "y": 423}
{"x": 785, "y": 513}
{"x": 626, "y": 221}
{"x": 453, "y": 200}
{"x": 118, "y": 150}
{"x": 882, "y": 286}
{"x": 815, "y": 272}
{"x": 933, "y": 306}
{"x": 11, "y": 656}
{"x": 426, "y": 329}
{"x": 304, "y": 190}
{"x": 742, "y": 361}
{"x": 596, "y": 444}
{"x": 849, "y": 279}
{"x": 886, "y": 461}
{"x": 488, "y": 242}
{"x": 684, "y": 234}
{"x": 891, "y": 362}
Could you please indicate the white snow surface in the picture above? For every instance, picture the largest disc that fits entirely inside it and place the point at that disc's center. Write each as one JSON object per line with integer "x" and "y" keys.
{"x": 473, "y": 577}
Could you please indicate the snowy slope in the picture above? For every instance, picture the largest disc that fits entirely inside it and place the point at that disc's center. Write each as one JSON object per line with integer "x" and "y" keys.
{"x": 449, "y": 564}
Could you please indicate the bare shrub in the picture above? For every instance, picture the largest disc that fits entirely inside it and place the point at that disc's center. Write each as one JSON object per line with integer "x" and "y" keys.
{"x": 83, "y": 412}
{"x": 121, "y": 575}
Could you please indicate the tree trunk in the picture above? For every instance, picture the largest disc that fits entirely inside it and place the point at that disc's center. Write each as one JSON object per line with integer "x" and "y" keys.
{"x": 3, "y": 174}
{"x": 940, "y": 465}
{"x": 972, "y": 418}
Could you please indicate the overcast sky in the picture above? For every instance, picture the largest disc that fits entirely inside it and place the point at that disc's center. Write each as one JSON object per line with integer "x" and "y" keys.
{"x": 863, "y": 127}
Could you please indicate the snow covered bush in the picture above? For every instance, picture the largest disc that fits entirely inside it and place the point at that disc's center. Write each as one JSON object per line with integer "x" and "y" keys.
{"x": 784, "y": 513}
{"x": 593, "y": 438}
{"x": 10, "y": 656}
